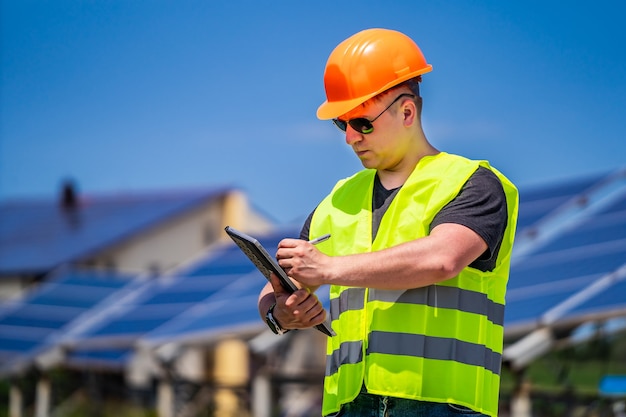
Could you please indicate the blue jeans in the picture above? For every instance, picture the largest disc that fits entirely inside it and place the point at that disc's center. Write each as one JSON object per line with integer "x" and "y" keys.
{"x": 369, "y": 405}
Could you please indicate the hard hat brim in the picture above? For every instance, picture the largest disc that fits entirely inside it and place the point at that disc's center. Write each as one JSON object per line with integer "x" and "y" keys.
{"x": 335, "y": 109}
{"x": 331, "y": 110}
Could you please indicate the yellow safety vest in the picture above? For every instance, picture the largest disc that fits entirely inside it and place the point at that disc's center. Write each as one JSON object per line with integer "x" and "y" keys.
{"x": 440, "y": 343}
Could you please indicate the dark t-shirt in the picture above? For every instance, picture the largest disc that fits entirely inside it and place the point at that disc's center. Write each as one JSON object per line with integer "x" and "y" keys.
{"x": 480, "y": 206}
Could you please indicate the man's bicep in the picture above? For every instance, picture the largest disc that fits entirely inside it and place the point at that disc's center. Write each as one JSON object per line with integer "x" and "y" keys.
{"x": 480, "y": 206}
{"x": 462, "y": 244}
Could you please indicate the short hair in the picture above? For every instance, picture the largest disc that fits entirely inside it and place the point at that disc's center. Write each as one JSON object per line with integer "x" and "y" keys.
{"x": 413, "y": 84}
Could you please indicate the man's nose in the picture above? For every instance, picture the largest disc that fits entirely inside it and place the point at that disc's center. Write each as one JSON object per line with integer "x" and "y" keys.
{"x": 352, "y": 136}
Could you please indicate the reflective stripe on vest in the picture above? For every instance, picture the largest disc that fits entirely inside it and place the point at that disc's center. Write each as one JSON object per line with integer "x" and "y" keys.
{"x": 438, "y": 343}
{"x": 447, "y": 297}
{"x": 416, "y": 345}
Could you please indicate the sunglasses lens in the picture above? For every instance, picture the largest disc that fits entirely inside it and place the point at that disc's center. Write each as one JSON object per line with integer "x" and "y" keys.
{"x": 362, "y": 125}
{"x": 340, "y": 124}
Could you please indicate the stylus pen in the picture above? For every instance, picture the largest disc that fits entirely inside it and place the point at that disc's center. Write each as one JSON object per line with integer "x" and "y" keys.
{"x": 319, "y": 239}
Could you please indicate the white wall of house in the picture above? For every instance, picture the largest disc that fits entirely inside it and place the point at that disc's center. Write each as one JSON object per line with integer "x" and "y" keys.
{"x": 171, "y": 243}
{"x": 12, "y": 287}
{"x": 165, "y": 245}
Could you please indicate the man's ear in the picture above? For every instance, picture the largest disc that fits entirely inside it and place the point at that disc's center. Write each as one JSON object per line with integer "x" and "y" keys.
{"x": 410, "y": 113}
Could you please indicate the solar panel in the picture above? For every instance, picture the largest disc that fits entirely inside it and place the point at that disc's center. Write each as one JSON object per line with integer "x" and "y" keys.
{"x": 228, "y": 259}
{"x": 571, "y": 264}
{"x": 229, "y": 311}
{"x": 109, "y": 358}
{"x": 30, "y": 325}
{"x": 526, "y": 305}
{"x": 606, "y": 299}
{"x": 158, "y": 302}
{"x": 618, "y": 205}
{"x": 599, "y": 230}
{"x": 223, "y": 261}
{"x": 539, "y": 201}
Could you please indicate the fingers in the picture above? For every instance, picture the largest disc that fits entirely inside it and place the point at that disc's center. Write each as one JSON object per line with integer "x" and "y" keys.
{"x": 290, "y": 248}
{"x": 299, "y": 310}
{"x": 302, "y": 309}
{"x": 308, "y": 313}
{"x": 290, "y": 243}
{"x": 302, "y": 261}
{"x": 287, "y": 249}
{"x": 316, "y": 314}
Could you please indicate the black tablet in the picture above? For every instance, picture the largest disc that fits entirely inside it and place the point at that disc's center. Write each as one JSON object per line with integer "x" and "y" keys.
{"x": 265, "y": 263}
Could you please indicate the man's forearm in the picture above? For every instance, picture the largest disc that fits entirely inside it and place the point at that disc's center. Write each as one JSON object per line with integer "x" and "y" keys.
{"x": 418, "y": 263}
{"x": 266, "y": 299}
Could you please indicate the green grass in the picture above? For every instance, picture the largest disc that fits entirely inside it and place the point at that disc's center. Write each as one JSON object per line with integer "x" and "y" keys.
{"x": 579, "y": 368}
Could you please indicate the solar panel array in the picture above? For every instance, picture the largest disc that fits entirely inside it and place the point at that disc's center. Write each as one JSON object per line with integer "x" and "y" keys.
{"x": 557, "y": 281}
{"x": 214, "y": 296}
{"x": 39, "y": 321}
{"x": 539, "y": 202}
{"x": 567, "y": 276}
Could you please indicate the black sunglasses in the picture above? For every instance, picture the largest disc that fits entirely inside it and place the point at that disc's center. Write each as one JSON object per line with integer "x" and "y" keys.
{"x": 363, "y": 125}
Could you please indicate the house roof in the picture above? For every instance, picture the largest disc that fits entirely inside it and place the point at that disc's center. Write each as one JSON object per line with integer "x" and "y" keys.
{"x": 38, "y": 235}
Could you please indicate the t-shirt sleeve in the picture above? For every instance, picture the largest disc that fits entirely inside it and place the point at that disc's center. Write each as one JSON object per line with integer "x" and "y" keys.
{"x": 306, "y": 227}
{"x": 480, "y": 206}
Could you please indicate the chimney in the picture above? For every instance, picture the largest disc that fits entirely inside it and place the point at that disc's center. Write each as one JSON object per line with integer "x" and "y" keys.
{"x": 68, "y": 200}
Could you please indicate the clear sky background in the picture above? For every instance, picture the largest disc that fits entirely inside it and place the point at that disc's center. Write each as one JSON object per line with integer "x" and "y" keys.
{"x": 140, "y": 95}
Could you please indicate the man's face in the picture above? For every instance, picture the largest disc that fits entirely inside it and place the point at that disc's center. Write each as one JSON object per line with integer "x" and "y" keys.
{"x": 386, "y": 145}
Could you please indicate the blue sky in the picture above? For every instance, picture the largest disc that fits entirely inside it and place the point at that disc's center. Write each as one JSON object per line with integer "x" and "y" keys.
{"x": 130, "y": 96}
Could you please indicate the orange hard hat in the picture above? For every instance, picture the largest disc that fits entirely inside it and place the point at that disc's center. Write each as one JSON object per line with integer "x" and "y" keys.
{"x": 367, "y": 64}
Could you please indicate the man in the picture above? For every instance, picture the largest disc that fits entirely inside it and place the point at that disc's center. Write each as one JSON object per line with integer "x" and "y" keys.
{"x": 419, "y": 252}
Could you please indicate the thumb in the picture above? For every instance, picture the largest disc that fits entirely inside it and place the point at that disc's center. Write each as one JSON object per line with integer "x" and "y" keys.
{"x": 278, "y": 287}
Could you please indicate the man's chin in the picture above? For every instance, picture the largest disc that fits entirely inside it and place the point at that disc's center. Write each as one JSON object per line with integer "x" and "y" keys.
{"x": 366, "y": 162}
